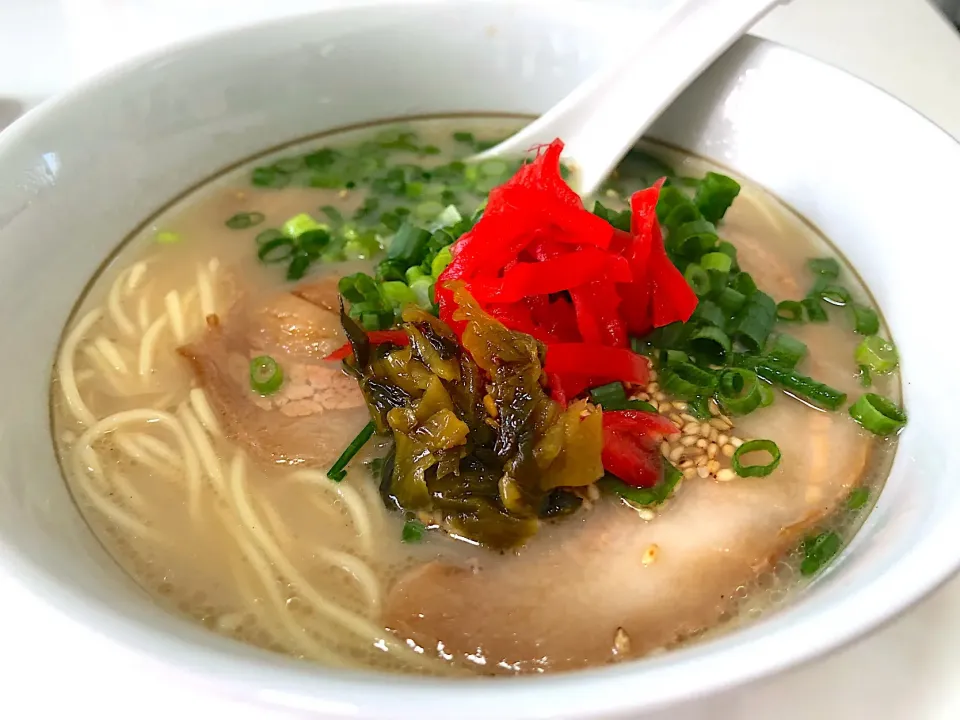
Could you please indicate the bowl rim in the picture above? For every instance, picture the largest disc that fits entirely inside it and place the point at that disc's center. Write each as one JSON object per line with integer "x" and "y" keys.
{"x": 274, "y": 681}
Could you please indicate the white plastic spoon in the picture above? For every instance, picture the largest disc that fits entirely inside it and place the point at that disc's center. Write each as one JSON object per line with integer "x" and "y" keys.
{"x": 605, "y": 115}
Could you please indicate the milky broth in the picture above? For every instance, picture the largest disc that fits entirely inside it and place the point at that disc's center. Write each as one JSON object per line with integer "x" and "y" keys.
{"x": 288, "y": 561}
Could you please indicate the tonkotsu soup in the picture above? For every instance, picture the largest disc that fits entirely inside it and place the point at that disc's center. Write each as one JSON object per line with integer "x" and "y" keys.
{"x": 365, "y": 404}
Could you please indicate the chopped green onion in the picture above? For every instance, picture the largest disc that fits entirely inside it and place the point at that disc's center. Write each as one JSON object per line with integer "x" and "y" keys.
{"x": 750, "y": 446}
{"x": 686, "y": 381}
{"x": 818, "y": 551}
{"x": 422, "y": 288}
{"x": 167, "y": 237}
{"x": 412, "y": 273}
{"x": 299, "y": 224}
{"x": 730, "y": 250}
{"x": 609, "y": 394}
{"x": 752, "y": 324}
{"x": 790, "y": 311}
{"x": 814, "y": 308}
{"x": 464, "y": 137}
{"x": 709, "y": 313}
{"x": 699, "y": 407}
{"x": 409, "y": 245}
{"x": 828, "y": 267}
{"x": 835, "y": 295}
{"x": 730, "y": 300}
{"x": 397, "y": 294}
{"x": 718, "y": 261}
{"x": 298, "y": 266}
{"x": 766, "y": 395}
{"x": 619, "y": 220}
{"x": 314, "y": 242}
{"x": 265, "y": 236}
{"x": 865, "y": 320}
{"x": 440, "y": 262}
{"x": 877, "y": 354}
{"x": 799, "y": 385}
{"x": 338, "y": 470}
{"x": 673, "y": 357}
{"x": 276, "y": 251}
{"x": 644, "y": 496}
{"x": 266, "y": 376}
{"x": 413, "y": 531}
{"x": 711, "y": 342}
{"x": 694, "y": 238}
{"x": 739, "y": 391}
{"x": 357, "y": 288}
{"x": 878, "y": 414}
{"x": 242, "y": 221}
{"x": 715, "y": 194}
{"x": 269, "y": 177}
{"x": 786, "y": 351}
{"x": 332, "y": 213}
{"x": 858, "y": 498}
{"x": 697, "y": 278}
{"x": 744, "y": 284}
{"x": 863, "y": 375}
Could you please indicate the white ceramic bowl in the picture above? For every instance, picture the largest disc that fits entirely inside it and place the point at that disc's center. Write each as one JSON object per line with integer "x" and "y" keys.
{"x": 78, "y": 173}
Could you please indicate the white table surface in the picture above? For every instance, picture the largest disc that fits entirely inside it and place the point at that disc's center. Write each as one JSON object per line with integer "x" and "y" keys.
{"x": 906, "y": 671}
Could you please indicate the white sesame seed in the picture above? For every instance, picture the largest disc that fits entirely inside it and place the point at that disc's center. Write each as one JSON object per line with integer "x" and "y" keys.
{"x": 714, "y": 434}
{"x": 642, "y": 396}
{"x": 728, "y": 450}
{"x": 691, "y": 429}
{"x": 703, "y": 472}
{"x": 689, "y": 441}
{"x": 660, "y": 397}
{"x": 722, "y": 439}
{"x": 689, "y": 418}
{"x": 653, "y": 388}
{"x": 686, "y": 465}
{"x": 689, "y": 473}
{"x": 712, "y": 450}
{"x": 665, "y": 449}
{"x": 676, "y": 419}
{"x": 713, "y": 466}
{"x": 681, "y": 406}
{"x": 726, "y": 475}
{"x": 674, "y": 437}
{"x": 702, "y": 463}
{"x": 736, "y": 442}
{"x": 705, "y": 429}
{"x": 713, "y": 407}
{"x": 719, "y": 424}
{"x": 676, "y": 453}
{"x": 702, "y": 443}
{"x": 665, "y": 408}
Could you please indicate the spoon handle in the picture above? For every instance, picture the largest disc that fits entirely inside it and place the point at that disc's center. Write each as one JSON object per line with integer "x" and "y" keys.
{"x": 605, "y": 115}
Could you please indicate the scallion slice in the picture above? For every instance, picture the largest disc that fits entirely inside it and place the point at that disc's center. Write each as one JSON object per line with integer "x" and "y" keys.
{"x": 739, "y": 391}
{"x": 766, "y": 395}
{"x": 686, "y": 381}
{"x": 786, "y": 351}
{"x": 299, "y": 264}
{"x": 716, "y": 262}
{"x": 697, "y": 278}
{"x": 338, "y": 471}
{"x": 878, "y": 414}
{"x": 711, "y": 342}
{"x": 877, "y": 354}
{"x": 800, "y": 385}
{"x": 751, "y": 446}
{"x": 814, "y": 309}
{"x": 790, "y": 311}
{"x": 858, "y": 498}
{"x": 265, "y": 236}
{"x": 752, "y": 325}
{"x": 694, "y": 238}
{"x": 827, "y": 267}
{"x": 863, "y": 375}
{"x": 609, "y": 395}
{"x": 835, "y": 295}
{"x": 817, "y": 552}
{"x": 730, "y": 300}
{"x": 266, "y": 376}
{"x": 276, "y": 250}
{"x": 243, "y": 220}
{"x": 865, "y": 320}
{"x": 715, "y": 193}
{"x": 644, "y": 496}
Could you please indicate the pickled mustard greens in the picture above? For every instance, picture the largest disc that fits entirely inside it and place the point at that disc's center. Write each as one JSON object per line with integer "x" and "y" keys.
{"x": 478, "y": 445}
